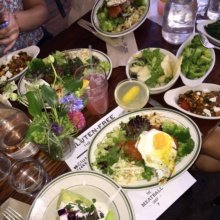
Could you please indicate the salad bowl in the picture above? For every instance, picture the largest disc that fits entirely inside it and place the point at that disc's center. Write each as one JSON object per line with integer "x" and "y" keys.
{"x": 197, "y": 61}
{"x": 89, "y": 184}
{"x": 30, "y": 52}
{"x": 135, "y": 68}
{"x": 79, "y": 56}
{"x": 101, "y": 21}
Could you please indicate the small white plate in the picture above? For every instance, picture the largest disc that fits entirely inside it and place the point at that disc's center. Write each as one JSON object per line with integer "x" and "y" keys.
{"x": 163, "y": 88}
{"x": 95, "y": 21}
{"x": 90, "y": 184}
{"x": 172, "y": 96}
{"x": 32, "y": 51}
{"x": 201, "y": 28}
{"x": 194, "y": 82}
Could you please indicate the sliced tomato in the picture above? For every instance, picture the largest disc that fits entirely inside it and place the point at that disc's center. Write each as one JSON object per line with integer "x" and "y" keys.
{"x": 114, "y": 11}
{"x": 185, "y": 105}
{"x": 131, "y": 150}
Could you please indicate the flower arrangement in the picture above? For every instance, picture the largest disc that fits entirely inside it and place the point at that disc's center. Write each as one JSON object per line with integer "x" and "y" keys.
{"x": 55, "y": 110}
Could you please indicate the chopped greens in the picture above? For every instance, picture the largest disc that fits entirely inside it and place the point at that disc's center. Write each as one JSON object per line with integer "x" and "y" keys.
{"x": 196, "y": 59}
{"x": 182, "y": 135}
{"x": 121, "y": 17}
{"x": 152, "y": 67}
{"x": 213, "y": 29}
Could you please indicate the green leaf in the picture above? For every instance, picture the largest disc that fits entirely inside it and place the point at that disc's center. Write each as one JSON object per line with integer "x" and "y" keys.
{"x": 35, "y": 103}
{"x": 49, "y": 95}
{"x": 71, "y": 85}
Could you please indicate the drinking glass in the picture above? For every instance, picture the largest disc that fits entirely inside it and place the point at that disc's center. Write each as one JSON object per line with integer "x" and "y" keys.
{"x": 179, "y": 20}
{"x": 96, "y": 89}
{"x": 5, "y": 165}
{"x": 13, "y": 126}
{"x": 27, "y": 176}
{"x": 131, "y": 94}
{"x": 213, "y": 11}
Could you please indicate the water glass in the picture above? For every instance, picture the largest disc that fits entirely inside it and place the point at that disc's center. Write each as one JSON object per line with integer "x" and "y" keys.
{"x": 179, "y": 20}
{"x": 213, "y": 11}
{"x": 202, "y": 6}
{"x": 13, "y": 127}
{"x": 5, "y": 165}
{"x": 27, "y": 176}
{"x": 96, "y": 88}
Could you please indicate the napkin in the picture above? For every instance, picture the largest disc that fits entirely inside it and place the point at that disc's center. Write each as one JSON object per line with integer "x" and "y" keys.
{"x": 120, "y": 57}
{"x": 19, "y": 206}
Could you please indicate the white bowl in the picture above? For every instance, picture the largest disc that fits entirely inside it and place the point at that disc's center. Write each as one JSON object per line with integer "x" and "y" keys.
{"x": 201, "y": 28}
{"x": 32, "y": 51}
{"x": 163, "y": 88}
{"x": 194, "y": 82}
{"x": 171, "y": 97}
{"x": 95, "y": 21}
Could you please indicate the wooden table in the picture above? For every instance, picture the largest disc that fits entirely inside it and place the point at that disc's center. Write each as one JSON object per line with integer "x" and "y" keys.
{"x": 147, "y": 35}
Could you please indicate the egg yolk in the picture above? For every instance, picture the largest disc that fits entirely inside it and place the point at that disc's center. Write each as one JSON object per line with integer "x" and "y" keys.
{"x": 161, "y": 141}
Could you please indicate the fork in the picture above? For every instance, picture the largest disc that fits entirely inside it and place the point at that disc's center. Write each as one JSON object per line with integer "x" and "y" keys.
{"x": 206, "y": 42}
{"x": 111, "y": 41}
{"x": 11, "y": 214}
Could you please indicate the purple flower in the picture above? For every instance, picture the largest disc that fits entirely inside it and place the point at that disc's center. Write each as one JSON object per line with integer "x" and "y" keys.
{"x": 72, "y": 103}
{"x": 56, "y": 129}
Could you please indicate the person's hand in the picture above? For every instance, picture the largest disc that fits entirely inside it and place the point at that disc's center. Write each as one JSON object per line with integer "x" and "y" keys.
{"x": 9, "y": 35}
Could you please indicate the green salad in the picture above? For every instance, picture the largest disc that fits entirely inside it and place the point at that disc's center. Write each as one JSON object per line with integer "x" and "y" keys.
{"x": 120, "y": 17}
{"x": 153, "y": 67}
{"x": 117, "y": 157}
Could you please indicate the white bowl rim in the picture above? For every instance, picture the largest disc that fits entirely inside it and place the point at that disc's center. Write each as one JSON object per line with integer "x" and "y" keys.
{"x": 117, "y": 34}
{"x": 170, "y": 97}
{"x": 161, "y": 88}
{"x": 194, "y": 82}
{"x": 201, "y": 28}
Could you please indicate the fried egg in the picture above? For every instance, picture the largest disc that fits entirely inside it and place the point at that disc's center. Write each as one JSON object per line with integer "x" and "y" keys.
{"x": 158, "y": 150}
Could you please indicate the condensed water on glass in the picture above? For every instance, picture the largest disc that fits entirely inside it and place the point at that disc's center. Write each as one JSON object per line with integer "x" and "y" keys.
{"x": 213, "y": 11}
{"x": 97, "y": 94}
{"x": 179, "y": 20}
{"x": 97, "y": 89}
{"x": 202, "y": 6}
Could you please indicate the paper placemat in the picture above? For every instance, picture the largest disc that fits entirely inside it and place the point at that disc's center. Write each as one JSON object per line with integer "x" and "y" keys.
{"x": 120, "y": 57}
{"x": 148, "y": 202}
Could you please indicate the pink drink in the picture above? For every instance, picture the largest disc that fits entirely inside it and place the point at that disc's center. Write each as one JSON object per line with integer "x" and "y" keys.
{"x": 97, "y": 94}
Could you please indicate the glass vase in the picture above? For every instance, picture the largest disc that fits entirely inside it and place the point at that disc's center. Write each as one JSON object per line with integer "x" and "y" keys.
{"x": 59, "y": 149}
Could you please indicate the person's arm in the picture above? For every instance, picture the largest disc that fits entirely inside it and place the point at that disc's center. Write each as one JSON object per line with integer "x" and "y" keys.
{"x": 34, "y": 15}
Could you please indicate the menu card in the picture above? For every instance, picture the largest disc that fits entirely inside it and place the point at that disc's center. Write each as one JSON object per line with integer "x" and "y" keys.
{"x": 147, "y": 202}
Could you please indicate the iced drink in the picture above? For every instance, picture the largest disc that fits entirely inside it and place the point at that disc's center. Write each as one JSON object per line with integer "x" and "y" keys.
{"x": 96, "y": 90}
